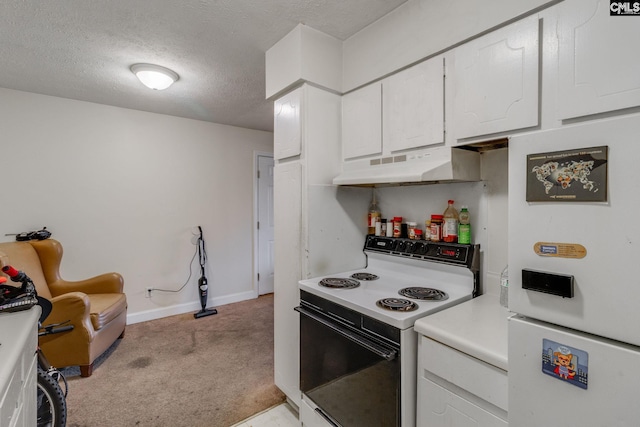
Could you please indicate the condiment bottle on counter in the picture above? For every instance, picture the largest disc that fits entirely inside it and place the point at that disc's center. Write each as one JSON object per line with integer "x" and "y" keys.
{"x": 464, "y": 228}
{"x": 411, "y": 229}
{"x": 427, "y": 230}
{"x": 436, "y": 228}
{"x": 378, "y": 229}
{"x": 390, "y": 228}
{"x": 418, "y": 234}
{"x": 383, "y": 227}
{"x": 373, "y": 216}
{"x": 450, "y": 224}
{"x": 397, "y": 226}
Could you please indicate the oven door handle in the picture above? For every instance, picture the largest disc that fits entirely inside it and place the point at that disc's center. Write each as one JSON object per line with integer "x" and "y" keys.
{"x": 385, "y": 353}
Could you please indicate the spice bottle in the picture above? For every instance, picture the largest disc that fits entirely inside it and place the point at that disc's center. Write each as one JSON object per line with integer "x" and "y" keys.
{"x": 450, "y": 224}
{"x": 383, "y": 227}
{"x": 390, "y": 228}
{"x": 418, "y": 234}
{"x": 427, "y": 230}
{"x": 378, "y": 229}
{"x": 464, "y": 228}
{"x": 397, "y": 226}
{"x": 373, "y": 215}
{"x": 411, "y": 229}
{"x": 436, "y": 228}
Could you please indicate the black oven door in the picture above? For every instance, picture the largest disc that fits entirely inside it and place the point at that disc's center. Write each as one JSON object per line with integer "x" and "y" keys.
{"x": 353, "y": 376}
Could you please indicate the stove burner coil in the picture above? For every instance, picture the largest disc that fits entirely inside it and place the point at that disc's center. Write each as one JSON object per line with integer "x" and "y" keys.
{"x": 397, "y": 304}
{"x": 424, "y": 294}
{"x": 364, "y": 276}
{"x": 339, "y": 283}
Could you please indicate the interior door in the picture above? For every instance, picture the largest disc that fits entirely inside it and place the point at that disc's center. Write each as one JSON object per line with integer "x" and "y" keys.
{"x": 265, "y": 225}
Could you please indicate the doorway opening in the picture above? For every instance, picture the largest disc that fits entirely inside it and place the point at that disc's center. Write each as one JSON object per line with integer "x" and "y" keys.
{"x": 263, "y": 236}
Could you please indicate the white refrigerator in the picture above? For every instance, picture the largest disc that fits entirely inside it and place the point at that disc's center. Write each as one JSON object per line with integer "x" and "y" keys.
{"x": 574, "y": 275}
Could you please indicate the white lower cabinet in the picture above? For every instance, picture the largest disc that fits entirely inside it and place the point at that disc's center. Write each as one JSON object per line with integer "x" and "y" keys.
{"x": 18, "y": 342}
{"x": 455, "y": 389}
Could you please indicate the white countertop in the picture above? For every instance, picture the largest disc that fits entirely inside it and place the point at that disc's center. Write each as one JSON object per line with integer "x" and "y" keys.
{"x": 477, "y": 328}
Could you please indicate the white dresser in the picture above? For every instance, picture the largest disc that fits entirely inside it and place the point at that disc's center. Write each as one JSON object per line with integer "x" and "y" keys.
{"x": 462, "y": 365}
{"x": 18, "y": 343}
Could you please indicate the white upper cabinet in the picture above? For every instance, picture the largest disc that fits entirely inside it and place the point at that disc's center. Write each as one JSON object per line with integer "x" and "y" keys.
{"x": 599, "y": 60}
{"x": 287, "y": 125}
{"x": 496, "y": 81}
{"x": 362, "y": 122}
{"x": 413, "y": 107}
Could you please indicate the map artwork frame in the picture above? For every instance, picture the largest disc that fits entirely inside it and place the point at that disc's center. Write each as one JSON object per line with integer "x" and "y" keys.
{"x": 568, "y": 176}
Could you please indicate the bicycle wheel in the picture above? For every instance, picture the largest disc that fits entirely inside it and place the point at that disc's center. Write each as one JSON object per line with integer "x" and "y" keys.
{"x": 52, "y": 406}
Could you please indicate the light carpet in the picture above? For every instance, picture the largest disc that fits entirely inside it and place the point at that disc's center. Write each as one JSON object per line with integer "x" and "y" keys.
{"x": 180, "y": 371}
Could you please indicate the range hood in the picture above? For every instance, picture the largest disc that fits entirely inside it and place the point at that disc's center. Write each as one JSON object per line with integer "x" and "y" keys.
{"x": 440, "y": 164}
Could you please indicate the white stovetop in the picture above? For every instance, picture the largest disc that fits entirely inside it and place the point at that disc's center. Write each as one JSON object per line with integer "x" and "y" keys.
{"x": 477, "y": 328}
{"x": 394, "y": 274}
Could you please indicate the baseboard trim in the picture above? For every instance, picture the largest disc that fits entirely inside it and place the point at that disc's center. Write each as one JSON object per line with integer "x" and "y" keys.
{"x": 158, "y": 313}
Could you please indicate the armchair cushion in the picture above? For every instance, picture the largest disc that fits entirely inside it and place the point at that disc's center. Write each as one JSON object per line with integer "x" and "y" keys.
{"x": 96, "y": 307}
{"x": 104, "y": 308}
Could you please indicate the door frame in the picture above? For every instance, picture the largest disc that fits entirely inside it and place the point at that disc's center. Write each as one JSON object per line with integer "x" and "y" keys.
{"x": 256, "y": 267}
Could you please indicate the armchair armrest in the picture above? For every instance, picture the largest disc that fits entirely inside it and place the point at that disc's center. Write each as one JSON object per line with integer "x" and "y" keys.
{"x": 75, "y": 307}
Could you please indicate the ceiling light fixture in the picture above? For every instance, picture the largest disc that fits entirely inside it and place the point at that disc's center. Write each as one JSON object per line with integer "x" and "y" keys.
{"x": 154, "y": 76}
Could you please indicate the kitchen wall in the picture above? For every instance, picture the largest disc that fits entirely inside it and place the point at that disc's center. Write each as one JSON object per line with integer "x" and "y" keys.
{"x": 487, "y": 203}
{"x": 122, "y": 190}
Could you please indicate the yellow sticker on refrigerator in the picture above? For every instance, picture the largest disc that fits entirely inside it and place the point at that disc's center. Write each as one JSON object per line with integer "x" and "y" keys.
{"x": 560, "y": 250}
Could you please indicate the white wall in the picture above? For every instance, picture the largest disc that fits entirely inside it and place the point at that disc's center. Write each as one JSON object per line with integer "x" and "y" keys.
{"x": 122, "y": 189}
{"x": 487, "y": 203}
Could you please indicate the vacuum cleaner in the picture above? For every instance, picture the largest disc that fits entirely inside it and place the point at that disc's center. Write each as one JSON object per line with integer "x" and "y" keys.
{"x": 203, "y": 287}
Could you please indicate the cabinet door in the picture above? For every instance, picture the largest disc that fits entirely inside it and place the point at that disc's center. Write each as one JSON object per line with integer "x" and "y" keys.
{"x": 439, "y": 407}
{"x": 496, "y": 81}
{"x": 287, "y": 182}
{"x": 287, "y": 125}
{"x": 362, "y": 122}
{"x": 599, "y": 60}
{"x": 413, "y": 107}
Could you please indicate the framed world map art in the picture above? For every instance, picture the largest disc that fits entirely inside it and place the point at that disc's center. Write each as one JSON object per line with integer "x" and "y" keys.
{"x": 568, "y": 176}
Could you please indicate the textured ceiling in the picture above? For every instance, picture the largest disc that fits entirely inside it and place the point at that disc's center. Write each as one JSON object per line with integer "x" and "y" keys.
{"x": 82, "y": 49}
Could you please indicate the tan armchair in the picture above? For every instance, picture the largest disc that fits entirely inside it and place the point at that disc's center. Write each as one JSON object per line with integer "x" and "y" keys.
{"x": 96, "y": 307}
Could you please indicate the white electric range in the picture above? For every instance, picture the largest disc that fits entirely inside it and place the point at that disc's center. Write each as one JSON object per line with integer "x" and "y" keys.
{"x": 357, "y": 335}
